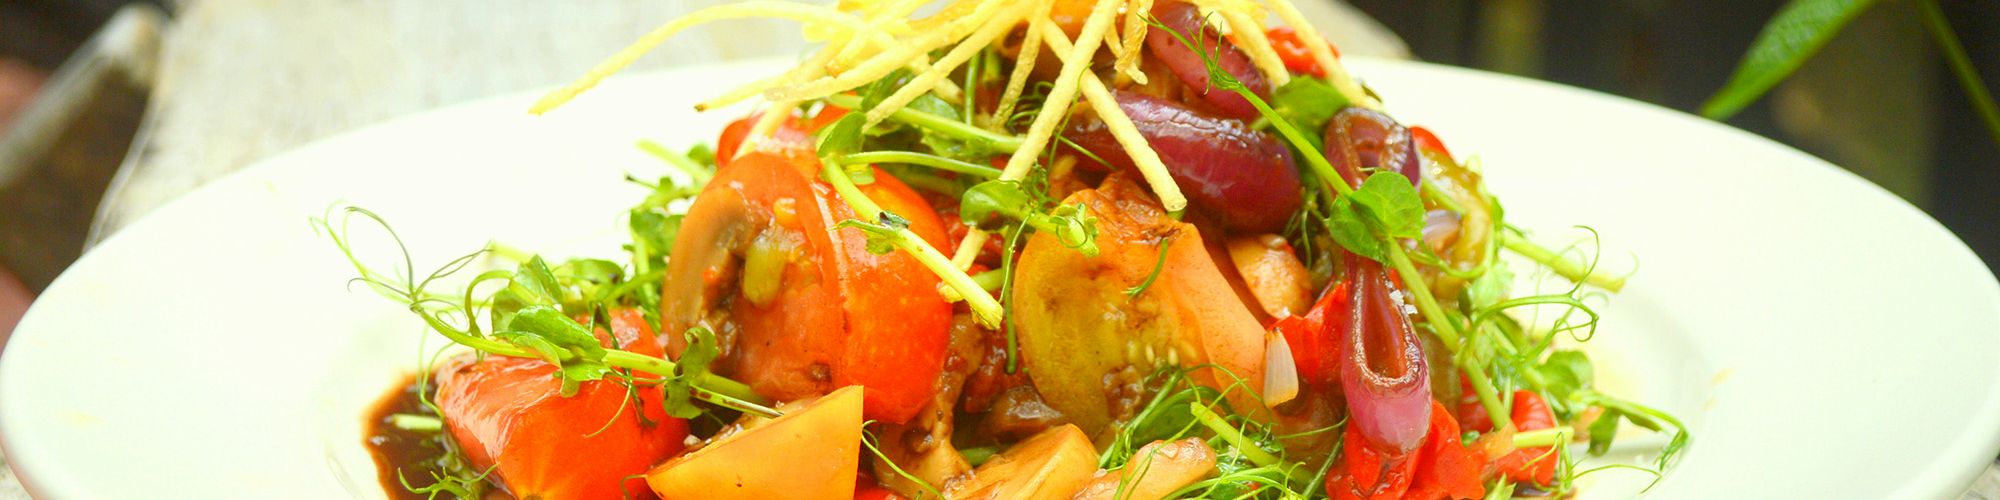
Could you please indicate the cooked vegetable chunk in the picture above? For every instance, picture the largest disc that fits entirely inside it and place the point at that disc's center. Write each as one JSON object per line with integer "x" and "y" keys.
{"x": 1053, "y": 464}
{"x": 1083, "y": 337}
{"x": 810, "y": 453}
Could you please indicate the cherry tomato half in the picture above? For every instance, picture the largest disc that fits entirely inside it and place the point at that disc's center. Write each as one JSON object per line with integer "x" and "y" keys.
{"x": 802, "y": 306}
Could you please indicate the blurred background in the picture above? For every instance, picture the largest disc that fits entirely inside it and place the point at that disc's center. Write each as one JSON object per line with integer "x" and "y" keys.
{"x": 109, "y": 108}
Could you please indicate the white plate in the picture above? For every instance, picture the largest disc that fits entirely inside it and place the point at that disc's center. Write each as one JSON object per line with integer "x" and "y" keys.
{"x": 1825, "y": 339}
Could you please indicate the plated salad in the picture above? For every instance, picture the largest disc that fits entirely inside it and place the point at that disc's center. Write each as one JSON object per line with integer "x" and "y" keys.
{"x": 1021, "y": 249}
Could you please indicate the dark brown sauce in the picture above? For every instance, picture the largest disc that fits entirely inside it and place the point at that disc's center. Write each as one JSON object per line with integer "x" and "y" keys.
{"x": 412, "y": 455}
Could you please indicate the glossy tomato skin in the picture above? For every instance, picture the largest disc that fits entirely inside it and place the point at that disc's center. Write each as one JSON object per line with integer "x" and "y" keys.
{"x": 510, "y": 412}
{"x": 783, "y": 348}
{"x": 842, "y": 315}
{"x": 898, "y": 325}
{"x": 793, "y": 136}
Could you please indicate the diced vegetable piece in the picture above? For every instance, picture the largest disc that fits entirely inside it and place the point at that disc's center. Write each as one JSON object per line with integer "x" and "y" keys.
{"x": 1442, "y": 468}
{"x": 1155, "y": 470}
{"x": 809, "y": 307}
{"x": 1274, "y": 274}
{"x": 1293, "y": 51}
{"x": 1076, "y": 324}
{"x": 809, "y": 453}
{"x": 922, "y": 447}
{"x": 1530, "y": 465}
{"x": 1053, "y": 464}
{"x": 508, "y": 414}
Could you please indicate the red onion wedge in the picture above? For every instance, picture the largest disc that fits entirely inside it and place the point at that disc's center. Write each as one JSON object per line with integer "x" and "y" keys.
{"x": 1382, "y": 368}
{"x": 1372, "y": 140}
{"x": 1244, "y": 176}
{"x": 1184, "y": 19}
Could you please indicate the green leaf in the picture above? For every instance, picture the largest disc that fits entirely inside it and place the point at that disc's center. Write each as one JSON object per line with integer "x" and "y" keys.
{"x": 1307, "y": 103}
{"x": 692, "y": 366}
{"x": 1393, "y": 203}
{"x": 532, "y": 284}
{"x": 1074, "y": 225}
{"x": 592, "y": 270}
{"x": 1566, "y": 373}
{"x": 881, "y": 238}
{"x": 702, "y": 154}
{"x": 1793, "y": 35}
{"x": 989, "y": 204}
{"x": 1351, "y": 232}
{"x": 1602, "y": 432}
{"x": 947, "y": 145}
{"x": 874, "y": 93}
{"x": 561, "y": 341}
{"x": 1492, "y": 286}
{"x": 842, "y": 137}
{"x": 653, "y": 236}
{"x": 1385, "y": 201}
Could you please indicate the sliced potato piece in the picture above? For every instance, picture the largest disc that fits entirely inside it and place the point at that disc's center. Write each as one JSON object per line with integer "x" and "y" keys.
{"x": 1156, "y": 470}
{"x": 810, "y": 452}
{"x": 1053, "y": 464}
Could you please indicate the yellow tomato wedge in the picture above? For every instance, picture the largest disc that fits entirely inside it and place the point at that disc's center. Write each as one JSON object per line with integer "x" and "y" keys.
{"x": 1155, "y": 471}
{"x": 809, "y": 453}
{"x": 1052, "y": 464}
{"x": 1083, "y": 334}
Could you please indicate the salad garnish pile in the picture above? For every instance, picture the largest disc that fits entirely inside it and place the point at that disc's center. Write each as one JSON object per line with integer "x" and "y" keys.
{"x": 1025, "y": 249}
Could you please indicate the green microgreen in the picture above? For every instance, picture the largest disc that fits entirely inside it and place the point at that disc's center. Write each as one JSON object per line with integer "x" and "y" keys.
{"x": 526, "y": 315}
{"x": 889, "y": 230}
{"x": 1159, "y": 264}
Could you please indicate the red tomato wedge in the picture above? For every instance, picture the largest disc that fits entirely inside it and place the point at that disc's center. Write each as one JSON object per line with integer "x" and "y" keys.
{"x": 794, "y": 135}
{"x": 808, "y": 307}
{"x": 510, "y": 412}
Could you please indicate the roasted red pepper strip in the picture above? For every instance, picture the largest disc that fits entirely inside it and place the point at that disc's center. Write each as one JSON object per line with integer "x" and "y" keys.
{"x": 1530, "y": 465}
{"x": 1427, "y": 141}
{"x": 869, "y": 491}
{"x": 1294, "y": 53}
{"x": 1469, "y": 410}
{"x": 1311, "y": 337}
{"x": 1442, "y": 468}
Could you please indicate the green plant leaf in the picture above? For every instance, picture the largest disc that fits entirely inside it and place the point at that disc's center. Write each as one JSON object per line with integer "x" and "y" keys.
{"x": 1393, "y": 202}
{"x": 1308, "y": 103}
{"x": 881, "y": 236}
{"x": 1567, "y": 372}
{"x": 561, "y": 341}
{"x": 1602, "y": 432}
{"x": 692, "y": 366}
{"x": 1351, "y": 232}
{"x": 989, "y": 204}
{"x": 1793, "y": 35}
